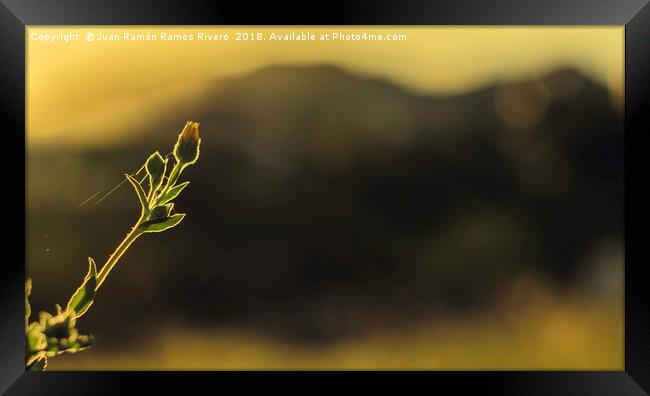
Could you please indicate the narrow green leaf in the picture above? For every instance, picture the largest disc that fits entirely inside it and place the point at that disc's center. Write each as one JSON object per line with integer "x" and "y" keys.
{"x": 173, "y": 192}
{"x": 83, "y": 297}
{"x": 141, "y": 194}
{"x": 37, "y": 362}
{"x": 156, "y": 166}
{"x": 162, "y": 224}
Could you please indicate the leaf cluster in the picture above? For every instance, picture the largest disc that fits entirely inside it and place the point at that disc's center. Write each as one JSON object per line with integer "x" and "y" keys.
{"x": 52, "y": 335}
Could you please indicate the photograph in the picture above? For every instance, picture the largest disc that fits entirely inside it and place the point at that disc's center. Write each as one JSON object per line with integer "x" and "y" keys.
{"x": 386, "y": 197}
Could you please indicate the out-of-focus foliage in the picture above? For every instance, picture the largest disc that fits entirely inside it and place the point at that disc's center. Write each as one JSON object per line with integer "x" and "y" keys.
{"x": 51, "y": 336}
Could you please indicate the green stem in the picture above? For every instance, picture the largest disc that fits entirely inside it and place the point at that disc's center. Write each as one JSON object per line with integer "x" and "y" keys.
{"x": 135, "y": 231}
{"x": 173, "y": 178}
{"x": 119, "y": 251}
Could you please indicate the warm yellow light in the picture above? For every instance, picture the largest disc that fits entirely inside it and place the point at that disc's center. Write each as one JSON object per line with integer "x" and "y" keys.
{"x": 79, "y": 91}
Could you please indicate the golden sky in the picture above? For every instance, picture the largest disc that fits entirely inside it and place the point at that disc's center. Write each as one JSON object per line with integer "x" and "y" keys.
{"x": 79, "y": 91}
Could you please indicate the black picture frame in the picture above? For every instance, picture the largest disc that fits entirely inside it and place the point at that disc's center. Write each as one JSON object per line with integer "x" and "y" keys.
{"x": 15, "y": 15}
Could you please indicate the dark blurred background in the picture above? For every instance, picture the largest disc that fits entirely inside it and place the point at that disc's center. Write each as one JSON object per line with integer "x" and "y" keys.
{"x": 328, "y": 207}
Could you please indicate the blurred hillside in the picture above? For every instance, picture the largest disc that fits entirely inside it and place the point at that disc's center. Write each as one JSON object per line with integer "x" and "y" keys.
{"x": 326, "y": 204}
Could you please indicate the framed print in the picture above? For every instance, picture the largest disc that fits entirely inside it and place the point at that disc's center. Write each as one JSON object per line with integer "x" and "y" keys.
{"x": 214, "y": 194}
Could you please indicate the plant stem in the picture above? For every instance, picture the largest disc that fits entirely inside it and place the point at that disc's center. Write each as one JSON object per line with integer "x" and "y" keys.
{"x": 135, "y": 231}
{"x": 173, "y": 178}
{"x": 119, "y": 251}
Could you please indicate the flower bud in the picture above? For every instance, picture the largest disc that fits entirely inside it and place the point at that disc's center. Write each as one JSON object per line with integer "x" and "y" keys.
{"x": 186, "y": 150}
{"x": 156, "y": 166}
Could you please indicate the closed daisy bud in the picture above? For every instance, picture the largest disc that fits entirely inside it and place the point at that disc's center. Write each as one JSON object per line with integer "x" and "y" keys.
{"x": 186, "y": 150}
{"x": 155, "y": 166}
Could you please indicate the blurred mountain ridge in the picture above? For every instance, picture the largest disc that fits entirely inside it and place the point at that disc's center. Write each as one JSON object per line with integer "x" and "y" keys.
{"x": 321, "y": 108}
